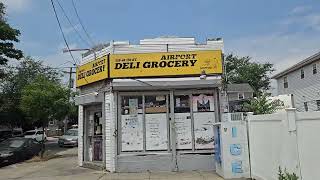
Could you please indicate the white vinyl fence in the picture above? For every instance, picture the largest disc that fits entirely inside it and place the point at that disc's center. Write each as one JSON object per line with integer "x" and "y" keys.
{"x": 288, "y": 139}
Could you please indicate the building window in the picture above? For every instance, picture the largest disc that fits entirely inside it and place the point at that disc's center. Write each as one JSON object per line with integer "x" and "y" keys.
{"x": 314, "y": 69}
{"x": 285, "y": 82}
{"x": 302, "y": 73}
{"x": 318, "y": 105}
{"x": 305, "y": 106}
{"x": 144, "y": 122}
{"x": 240, "y": 96}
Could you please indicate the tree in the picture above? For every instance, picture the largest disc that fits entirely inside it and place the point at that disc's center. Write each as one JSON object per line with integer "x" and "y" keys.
{"x": 44, "y": 100}
{"x": 261, "y": 105}
{"x": 8, "y": 36}
{"x": 243, "y": 70}
{"x": 12, "y": 85}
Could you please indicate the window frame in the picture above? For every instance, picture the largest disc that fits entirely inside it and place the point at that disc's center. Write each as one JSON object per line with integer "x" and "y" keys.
{"x": 318, "y": 104}
{"x": 120, "y": 95}
{"x": 314, "y": 69}
{"x": 302, "y": 73}
{"x": 239, "y": 96}
{"x": 285, "y": 82}
{"x": 306, "y": 108}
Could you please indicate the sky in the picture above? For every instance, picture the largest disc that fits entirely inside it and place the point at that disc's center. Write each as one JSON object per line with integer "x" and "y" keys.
{"x": 280, "y": 32}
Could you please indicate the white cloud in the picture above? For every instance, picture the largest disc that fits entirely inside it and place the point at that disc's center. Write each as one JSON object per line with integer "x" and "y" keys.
{"x": 60, "y": 59}
{"x": 302, "y": 17}
{"x": 71, "y": 29}
{"x": 295, "y": 38}
{"x": 17, "y": 5}
{"x": 300, "y": 9}
{"x": 279, "y": 49}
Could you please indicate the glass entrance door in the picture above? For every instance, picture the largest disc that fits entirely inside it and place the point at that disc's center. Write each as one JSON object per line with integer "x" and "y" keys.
{"x": 94, "y": 136}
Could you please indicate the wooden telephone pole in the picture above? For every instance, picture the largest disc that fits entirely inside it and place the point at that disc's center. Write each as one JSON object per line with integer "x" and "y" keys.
{"x": 70, "y": 84}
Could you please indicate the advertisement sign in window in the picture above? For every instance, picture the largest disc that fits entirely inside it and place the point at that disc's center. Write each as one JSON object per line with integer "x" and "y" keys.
{"x": 183, "y": 130}
{"x": 156, "y": 131}
{"x": 203, "y": 132}
{"x": 131, "y": 132}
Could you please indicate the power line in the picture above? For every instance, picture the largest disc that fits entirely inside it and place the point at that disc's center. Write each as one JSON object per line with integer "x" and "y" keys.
{"x": 79, "y": 19}
{"x": 64, "y": 37}
{"x": 65, "y": 63}
{"x": 73, "y": 27}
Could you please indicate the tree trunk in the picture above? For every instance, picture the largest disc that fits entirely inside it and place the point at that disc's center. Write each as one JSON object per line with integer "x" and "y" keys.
{"x": 42, "y": 143}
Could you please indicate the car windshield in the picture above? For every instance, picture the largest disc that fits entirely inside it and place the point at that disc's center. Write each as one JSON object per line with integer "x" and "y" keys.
{"x": 12, "y": 143}
{"x": 72, "y": 133}
{"x": 30, "y": 133}
{"x": 4, "y": 133}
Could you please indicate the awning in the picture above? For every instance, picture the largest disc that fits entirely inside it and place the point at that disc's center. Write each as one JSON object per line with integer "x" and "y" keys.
{"x": 165, "y": 83}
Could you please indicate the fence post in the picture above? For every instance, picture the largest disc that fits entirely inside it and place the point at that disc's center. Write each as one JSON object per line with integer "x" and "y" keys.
{"x": 289, "y": 154}
{"x": 249, "y": 116}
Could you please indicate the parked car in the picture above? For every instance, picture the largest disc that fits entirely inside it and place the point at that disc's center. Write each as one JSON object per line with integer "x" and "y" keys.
{"x": 36, "y": 135}
{"x": 17, "y": 132}
{"x": 5, "y": 134}
{"x": 18, "y": 149}
{"x": 69, "y": 139}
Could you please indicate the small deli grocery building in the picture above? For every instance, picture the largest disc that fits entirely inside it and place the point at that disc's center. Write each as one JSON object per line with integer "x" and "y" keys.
{"x": 150, "y": 106}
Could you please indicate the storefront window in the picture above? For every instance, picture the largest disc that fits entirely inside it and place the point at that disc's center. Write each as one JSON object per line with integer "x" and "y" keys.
{"x": 156, "y": 122}
{"x": 204, "y": 117}
{"x": 132, "y": 123}
{"x": 145, "y": 122}
{"x": 182, "y": 117}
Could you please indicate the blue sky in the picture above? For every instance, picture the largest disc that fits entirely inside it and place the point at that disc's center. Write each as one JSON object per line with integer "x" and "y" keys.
{"x": 281, "y": 32}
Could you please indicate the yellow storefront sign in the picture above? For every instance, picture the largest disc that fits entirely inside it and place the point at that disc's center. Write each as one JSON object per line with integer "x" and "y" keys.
{"x": 166, "y": 64}
{"x": 93, "y": 71}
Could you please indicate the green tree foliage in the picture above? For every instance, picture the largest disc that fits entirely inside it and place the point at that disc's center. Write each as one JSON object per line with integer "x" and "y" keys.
{"x": 13, "y": 84}
{"x": 244, "y": 70}
{"x": 8, "y": 36}
{"x": 43, "y": 100}
{"x": 261, "y": 105}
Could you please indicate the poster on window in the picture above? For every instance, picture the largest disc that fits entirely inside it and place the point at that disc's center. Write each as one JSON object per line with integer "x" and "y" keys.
{"x": 202, "y": 103}
{"x": 203, "y": 132}
{"x": 183, "y": 130}
{"x": 131, "y": 132}
{"x": 156, "y": 131}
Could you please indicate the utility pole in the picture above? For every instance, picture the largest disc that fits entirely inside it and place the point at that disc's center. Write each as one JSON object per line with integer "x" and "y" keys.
{"x": 70, "y": 84}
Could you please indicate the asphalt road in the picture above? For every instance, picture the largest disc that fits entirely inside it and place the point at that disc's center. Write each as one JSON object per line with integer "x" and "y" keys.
{"x": 52, "y": 146}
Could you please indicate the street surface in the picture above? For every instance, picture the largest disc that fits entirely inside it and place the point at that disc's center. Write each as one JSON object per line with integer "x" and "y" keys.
{"x": 65, "y": 166}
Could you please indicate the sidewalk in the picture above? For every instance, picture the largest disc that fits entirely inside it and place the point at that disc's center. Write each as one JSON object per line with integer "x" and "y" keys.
{"x": 67, "y": 168}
